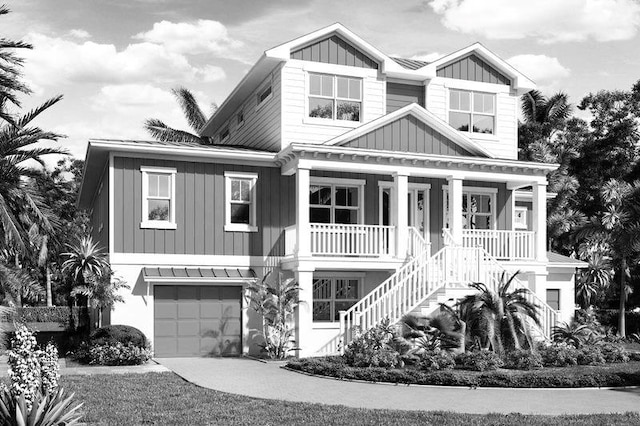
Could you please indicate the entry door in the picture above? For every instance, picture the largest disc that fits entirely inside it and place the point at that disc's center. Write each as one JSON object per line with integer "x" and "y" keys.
{"x": 417, "y": 207}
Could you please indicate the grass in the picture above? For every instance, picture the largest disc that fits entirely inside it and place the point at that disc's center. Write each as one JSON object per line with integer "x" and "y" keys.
{"x": 627, "y": 374}
{"x": 165, "y": 399}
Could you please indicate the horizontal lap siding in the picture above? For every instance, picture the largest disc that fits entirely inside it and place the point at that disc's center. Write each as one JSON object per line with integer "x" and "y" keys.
{"x": 437, "y": 100}
{"x": 400, "y": 95}
{"x": 200, "y": 211}
{"x": 334, "y": 50}
{"x": 472, "y": 68}
{"x": 294, "y": 107}
{"x": 262, "y": 126}
{"x": 408, "y": 134}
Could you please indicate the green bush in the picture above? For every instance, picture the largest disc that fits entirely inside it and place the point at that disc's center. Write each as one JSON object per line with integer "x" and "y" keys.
{"x": 123, "y": 334}
{"x": 482, "y": 360}
{"x": 523, "y": 359}
{"x": 613, "y": 352}
{"x": 558, "y": 355}
{"x": 118, "y": 354}
{"x": 590, "y": 355}
{"x": 373, "y": 348}
{"x": 434, "y": 360}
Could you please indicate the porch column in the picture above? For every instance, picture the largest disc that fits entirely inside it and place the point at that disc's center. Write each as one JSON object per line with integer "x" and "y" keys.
{"x": 304, "y": 312}
{"x": 401, "y": 213}
{"x": 303, "y": 233}
{"x": 455, "y": 209}
{"x": 540, "y": 220}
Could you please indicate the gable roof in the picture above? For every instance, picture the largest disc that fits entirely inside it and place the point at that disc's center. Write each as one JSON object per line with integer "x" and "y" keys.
{"x": 450, "y": 135}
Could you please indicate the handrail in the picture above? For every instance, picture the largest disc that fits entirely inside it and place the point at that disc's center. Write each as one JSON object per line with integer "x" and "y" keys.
{"x": 334, "y": 239}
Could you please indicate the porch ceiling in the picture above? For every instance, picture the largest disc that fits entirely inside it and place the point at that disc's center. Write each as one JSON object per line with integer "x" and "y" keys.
{"x": 358, "y": 160}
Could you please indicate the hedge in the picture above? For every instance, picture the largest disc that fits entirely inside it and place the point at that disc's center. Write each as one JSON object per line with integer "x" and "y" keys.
{"x": 562, "y": 377}
{"x": 59, "y": 314}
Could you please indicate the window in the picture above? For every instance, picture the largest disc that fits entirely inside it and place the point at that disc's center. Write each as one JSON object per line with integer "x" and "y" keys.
{"x": 264, "y": 95}
{"x": 240, "y": 205}
{"x": 224, "y": 135}
{"x": 472, "y": 111}
{"x": 240, "y": 118}
{"x": 335, "y": 98}
{"x": 553, "y": 298}
{"x": 158, "y": 198}
{"x": 478, "y": 211}
{"x": 520, "y": 217}
{"x": 335, "y": 202}
{"x": 332, "y": 295}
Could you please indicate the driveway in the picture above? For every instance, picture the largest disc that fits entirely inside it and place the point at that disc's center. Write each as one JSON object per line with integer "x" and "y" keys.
{"x": 269, "y": 381}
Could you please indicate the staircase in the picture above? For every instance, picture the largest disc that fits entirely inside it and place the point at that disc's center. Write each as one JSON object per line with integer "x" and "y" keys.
{"x": 425, "y": 280}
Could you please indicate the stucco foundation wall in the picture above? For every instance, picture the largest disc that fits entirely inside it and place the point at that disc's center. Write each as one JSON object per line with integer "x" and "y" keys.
{"x": 563, "y": 280}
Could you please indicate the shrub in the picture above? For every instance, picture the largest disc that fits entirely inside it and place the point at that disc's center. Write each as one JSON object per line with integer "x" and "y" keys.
{"x": 614, "y": 353}
{"x": 373, "y": 348}
{"x": 124, "y": 334}
{"x": 523, "y": 359}
{"x": 118, "y": 354}
{"x": 482, "y": 360}
{"x": 558, "y": 355}
{"x": 435, "y": 360}
{"x": 51, "y": 409}
{"x": 590, "y": 355}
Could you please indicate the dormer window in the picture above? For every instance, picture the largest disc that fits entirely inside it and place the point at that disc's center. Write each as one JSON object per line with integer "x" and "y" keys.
{"x": 334, "y": 97}
{"x": 472, "y": 111}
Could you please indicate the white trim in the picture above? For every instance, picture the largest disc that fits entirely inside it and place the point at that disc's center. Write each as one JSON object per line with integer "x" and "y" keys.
{"x": 333, "y": 277}
{"x": 342, "y": 182}
{"x": 145, "y": 223}
{"x": 332, "y": 122}
{"x": 196, "y": 260}
{"x": 111, "y": 208}
{"x": 472, "y": 92}
{"x": 197, "y": 280}
{"x": 478, "y": 189}
{"x": 240, "y": 227}
{"x": 519, "y": 224}
{"x": 322, "y": 180}
{"x": 478, "y": 86}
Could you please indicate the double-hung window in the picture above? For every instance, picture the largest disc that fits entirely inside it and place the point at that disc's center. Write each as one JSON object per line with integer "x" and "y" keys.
{"x": 472, "y": 111}
{"x": 240, "y": 203}
{"x": 335, "y": 97}
{"x": 478, "y": 208}
{"x": 335, "y": 202}
{"x": 158, "y": 197}
{"x": 332, "y": 295}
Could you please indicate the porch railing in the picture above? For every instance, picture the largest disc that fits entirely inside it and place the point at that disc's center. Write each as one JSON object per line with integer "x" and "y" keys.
{"x": 334, "y": 239}
{"x": 501, "y": 244}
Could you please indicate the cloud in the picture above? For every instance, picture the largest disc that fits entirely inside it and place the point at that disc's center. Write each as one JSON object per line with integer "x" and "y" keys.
{"x": 132, "y": 96}
{"x": 78, "y": 33}
{"x": 57, "y": 61}
{"x": 203, "y": 36}
{"x": 546, "y": 71}
{"x": 549, "y": 21}
{"x": 211, "y": 73}
{"x": 427, "y": 57}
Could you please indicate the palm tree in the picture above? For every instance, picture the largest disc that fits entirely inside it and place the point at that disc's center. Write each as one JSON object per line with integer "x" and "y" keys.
{"x": 546, "y": 116}
{"x": 499, "y": 318}
{"x": 194, "y": 115}
{"x": 597, "y": 276}
{"x": 16, "y": 286}
{"x": 618, "y": 228}
{"x": 85, "y": 262}
{"x": 102, "y": 292}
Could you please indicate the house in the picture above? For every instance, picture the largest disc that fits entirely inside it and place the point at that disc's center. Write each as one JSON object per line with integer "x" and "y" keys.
{"x": 384, "y": 185}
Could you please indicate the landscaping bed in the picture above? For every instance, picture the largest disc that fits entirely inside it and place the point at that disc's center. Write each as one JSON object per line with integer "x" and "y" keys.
{"x": 623, "y": 374}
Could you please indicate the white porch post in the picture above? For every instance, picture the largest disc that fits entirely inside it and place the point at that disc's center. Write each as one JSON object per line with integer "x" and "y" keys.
{"x": 303, "y": 233}
{"x": 455, "y": 209}
{"x": 304, "y": 312}
{"x": 540, "y": 219}
{"x": 401, "y": 213}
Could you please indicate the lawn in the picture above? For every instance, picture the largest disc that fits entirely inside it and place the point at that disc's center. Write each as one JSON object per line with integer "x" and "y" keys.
{"x": 165, "y": 399}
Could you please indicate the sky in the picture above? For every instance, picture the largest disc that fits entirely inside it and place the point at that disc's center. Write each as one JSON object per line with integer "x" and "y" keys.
{"x": 116, "y": 61}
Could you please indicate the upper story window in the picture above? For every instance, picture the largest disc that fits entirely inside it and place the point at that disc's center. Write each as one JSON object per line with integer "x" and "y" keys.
{"x": 334, "y": 97}
{"x": 264, "y": 95}
{"x": 335, "y": 202}
{"x": 240, "y": 203}
{"x": 158, "y": 198}
{"x": 224, "y": 135}
{"x": 472, "y": 111}
{"x": 240, "y": 118}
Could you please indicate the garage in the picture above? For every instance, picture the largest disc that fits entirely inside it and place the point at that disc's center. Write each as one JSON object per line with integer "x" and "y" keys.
{"x": 197, "y": 320}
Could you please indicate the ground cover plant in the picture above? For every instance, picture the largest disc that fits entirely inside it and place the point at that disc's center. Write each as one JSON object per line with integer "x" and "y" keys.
{"x": 167, "y": 399}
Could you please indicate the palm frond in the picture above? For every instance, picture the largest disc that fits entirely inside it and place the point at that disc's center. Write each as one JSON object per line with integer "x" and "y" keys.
{"x": 192, "y": 112}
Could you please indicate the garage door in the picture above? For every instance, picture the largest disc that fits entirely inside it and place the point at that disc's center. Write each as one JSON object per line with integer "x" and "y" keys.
{"x": 197, "y": 320}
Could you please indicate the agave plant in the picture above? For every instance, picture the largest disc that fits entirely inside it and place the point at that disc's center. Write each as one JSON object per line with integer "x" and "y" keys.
{"x": 46, "y": 410}
{"x": 572, "y": 333}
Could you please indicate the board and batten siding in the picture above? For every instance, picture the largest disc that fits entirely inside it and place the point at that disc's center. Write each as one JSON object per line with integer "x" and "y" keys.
{"x": 408, "y": 134}
{"x": 200, "y": 205}
{"x": 261, "y": 126}
{"x": 334, "y": 50}
{"x": 296, "y": 127}
{"x": 472, "y": 68}
{"x": 99, "y": 218}
{"x": 400, "y": 95}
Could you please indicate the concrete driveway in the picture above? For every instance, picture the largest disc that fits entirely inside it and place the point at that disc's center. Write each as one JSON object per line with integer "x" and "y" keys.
{"x": 269, "y": 381}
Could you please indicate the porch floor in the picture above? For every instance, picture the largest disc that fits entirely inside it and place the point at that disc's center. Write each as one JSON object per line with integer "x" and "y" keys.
{"x": 269, "y": 381}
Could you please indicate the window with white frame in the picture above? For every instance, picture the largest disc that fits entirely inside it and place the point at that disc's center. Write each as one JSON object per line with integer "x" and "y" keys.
{"x": 158, "y": 197}
{"x": 332, "y": 295}
{"x": 478, "y": 208}
{"x": 553, "y": 298}
{"x": 264, "y": 95}
{"x": 240, "y": 203}
{"x": 472, "y": 111}
{"x": 520, "y": 217}
{"x": 335, "y": 201}
{"x": 335, "y": 97}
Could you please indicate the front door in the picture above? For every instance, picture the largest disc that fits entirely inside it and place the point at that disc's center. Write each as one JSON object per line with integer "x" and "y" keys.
{"x": 417, "y": 207}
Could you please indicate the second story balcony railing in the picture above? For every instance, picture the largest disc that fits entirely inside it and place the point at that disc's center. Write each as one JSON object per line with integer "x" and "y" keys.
{"x": 346, "y": 240}
{"x": 501, "y": 244}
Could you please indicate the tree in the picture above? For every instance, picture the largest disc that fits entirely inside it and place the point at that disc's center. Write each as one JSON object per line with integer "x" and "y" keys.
{"x": 194, "y": 115}
{"x": 85, "y": 262}
{"x": 617, "y": 227}
{"x": 102, "y": 292}
{"x": 17, "y": 286}
{"x": 591, "y": 283}
{"x": 499, "y": 319}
